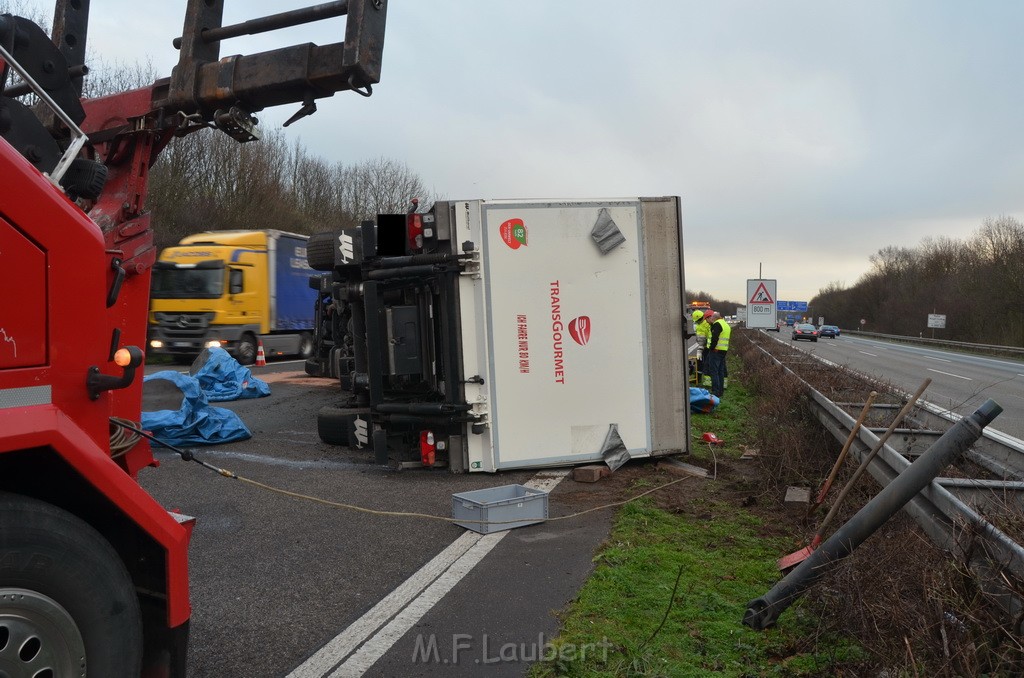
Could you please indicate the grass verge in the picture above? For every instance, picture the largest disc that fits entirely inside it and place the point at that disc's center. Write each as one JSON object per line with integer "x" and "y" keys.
{"x": 704, "y": 551}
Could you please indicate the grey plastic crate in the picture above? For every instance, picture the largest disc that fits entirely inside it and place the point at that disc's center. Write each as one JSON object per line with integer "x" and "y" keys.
{"x": 493, "y": 507}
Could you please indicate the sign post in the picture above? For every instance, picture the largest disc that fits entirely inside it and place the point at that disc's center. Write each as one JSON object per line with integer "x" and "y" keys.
{"x": 936, "y": 321}
{"x": 762, "y": 312}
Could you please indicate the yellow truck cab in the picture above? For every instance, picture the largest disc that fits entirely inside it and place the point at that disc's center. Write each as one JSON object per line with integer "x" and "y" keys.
{"x": 233, "y": 289}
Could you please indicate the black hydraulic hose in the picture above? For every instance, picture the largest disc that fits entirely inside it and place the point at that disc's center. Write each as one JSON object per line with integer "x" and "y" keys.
{"x": 764, "y": 611}
{"x": 186, "y": 455}
{"x": 404, "y": 272}
{"x": 427, "y": 419}
{"x": 419, "y": 259}
{"x": 423, "y": 408}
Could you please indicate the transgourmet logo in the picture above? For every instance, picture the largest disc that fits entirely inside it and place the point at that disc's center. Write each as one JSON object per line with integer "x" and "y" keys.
{"x": 579, "y": 329}
{"x": 513, "y": 233}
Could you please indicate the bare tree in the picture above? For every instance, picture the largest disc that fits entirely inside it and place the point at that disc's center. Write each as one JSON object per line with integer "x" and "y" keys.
{"x": 978, "y": 283}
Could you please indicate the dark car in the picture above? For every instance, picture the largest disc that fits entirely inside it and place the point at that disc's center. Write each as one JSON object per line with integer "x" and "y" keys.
{"x": 828, "y": 331}
{"x": 805, "y": 331}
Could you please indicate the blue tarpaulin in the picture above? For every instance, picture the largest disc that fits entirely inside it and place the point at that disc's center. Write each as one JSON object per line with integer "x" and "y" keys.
{"x": 223, "y": 378}
{"x": 196, "y": 422}
{"x": 701, "y": 401}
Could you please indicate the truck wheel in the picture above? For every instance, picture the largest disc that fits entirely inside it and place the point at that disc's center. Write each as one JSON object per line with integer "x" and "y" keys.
{"x": 340, "y": 426}
{"x": 67, "y": 604}
{"x": 305, "y": 345}
{"x": 313, "y": 368}
{"x": 333, "y": 426}
{"x": 246, "y": 351}
{"x": 320, "y": 251}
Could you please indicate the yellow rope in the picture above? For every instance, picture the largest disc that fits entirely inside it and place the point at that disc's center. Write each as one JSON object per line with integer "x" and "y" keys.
{"x": 402, "y": 514}
{"x": 409, "y": 514}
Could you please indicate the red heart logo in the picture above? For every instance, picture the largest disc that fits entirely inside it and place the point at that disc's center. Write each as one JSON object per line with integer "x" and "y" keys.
{"x": 513, "y": 233}
{"x": 579, "y": 329}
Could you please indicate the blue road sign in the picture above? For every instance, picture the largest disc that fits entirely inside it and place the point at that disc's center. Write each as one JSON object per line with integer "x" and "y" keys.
{"x": 792, "y": 305}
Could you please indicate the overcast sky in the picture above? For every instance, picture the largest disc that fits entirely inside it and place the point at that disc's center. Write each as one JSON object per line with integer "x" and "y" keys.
{"x": 802, "y": 135}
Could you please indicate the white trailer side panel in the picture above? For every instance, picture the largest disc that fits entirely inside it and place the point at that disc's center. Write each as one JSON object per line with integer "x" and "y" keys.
{"x": 561, "y": 331}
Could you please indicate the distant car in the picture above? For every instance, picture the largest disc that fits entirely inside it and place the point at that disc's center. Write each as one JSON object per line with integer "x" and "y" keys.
{"x": 828, "y": 331}
{"x": 776, "y": 328}
{"x": 805, "y": 331}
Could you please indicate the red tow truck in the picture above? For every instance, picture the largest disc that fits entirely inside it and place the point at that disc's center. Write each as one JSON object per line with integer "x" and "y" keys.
{"x": 93, "y": 571}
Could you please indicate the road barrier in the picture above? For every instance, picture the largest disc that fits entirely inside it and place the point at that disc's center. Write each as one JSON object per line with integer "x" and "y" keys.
{"x": 949, "y": 510}
{"x": 1013, "y": 350}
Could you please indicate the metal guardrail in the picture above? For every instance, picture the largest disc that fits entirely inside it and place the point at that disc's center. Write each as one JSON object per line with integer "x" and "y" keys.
{"x": 1014, "y": 350}
{"x": 949, "y": 510}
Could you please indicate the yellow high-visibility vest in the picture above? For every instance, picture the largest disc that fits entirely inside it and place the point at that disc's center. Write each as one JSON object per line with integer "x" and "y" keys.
{"x": 703, "y": 332}
{"x": 723, "y": 338}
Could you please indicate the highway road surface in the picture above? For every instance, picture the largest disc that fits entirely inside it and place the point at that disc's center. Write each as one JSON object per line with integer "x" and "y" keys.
{"x": 960, "y": 381}
{"x": 286, "y": 587}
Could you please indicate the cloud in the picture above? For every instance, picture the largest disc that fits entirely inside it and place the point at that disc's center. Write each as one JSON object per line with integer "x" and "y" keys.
{"x": 802, "y": 136}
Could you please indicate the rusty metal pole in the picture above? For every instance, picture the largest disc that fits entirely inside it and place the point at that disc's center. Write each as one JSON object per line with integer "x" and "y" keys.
{"x": 764, "y": 611}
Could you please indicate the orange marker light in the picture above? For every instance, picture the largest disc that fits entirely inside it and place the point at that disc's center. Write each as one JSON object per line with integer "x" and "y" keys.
{"x": 123, "y": 357}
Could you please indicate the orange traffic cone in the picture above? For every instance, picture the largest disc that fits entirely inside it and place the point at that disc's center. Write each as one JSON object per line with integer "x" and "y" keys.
{"x": 261, "y": 357}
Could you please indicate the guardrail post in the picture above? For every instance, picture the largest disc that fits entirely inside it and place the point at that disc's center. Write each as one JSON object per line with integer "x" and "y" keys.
{"x": 764, "y": 611}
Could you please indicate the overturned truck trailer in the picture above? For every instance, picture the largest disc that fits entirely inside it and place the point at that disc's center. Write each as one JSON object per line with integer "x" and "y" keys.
{"x": 487, "y": 335}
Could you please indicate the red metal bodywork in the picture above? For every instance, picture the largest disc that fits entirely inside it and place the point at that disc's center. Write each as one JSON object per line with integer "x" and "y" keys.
{"x": 56, "y": 326}
{"x": 60, "y": 263}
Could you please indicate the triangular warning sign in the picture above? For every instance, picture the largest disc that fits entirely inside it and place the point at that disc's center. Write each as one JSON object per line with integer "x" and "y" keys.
{"x": 761, "y": 296}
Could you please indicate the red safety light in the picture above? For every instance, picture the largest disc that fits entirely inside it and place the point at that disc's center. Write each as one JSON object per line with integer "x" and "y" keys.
{"x": 428, "y": 448}
{"x": 414, "y": 227}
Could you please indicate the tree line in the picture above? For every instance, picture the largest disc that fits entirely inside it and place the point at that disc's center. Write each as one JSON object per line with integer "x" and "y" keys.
{"x": 720, "y": 306}
{"x": 976, "y": 282}
{"x": 209, "y": 181}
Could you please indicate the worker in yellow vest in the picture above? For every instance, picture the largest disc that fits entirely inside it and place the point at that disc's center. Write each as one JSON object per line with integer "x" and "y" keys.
{"x": 714, "y": 359}
{"x": 702, "y": 328}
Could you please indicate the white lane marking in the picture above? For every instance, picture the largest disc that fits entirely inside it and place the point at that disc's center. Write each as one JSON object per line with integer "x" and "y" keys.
{"x": 931, "y": 357}
{"x": 1020, "y": 375}
{"x": 407, "y": 604}
{"x": 950, "y": 374}
{"x": 873, "y": 355}
{"x": 342, "y": 645}
{"x": 375, "y": 648}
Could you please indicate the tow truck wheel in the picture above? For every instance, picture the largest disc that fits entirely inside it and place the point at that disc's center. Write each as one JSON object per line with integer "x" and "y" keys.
{"x": 67, "y": 604}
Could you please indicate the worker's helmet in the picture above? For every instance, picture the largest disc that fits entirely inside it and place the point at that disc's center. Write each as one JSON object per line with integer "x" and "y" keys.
{"x": 697, "y": 315}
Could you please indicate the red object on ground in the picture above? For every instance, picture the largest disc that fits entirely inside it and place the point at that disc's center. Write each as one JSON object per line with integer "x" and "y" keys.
{"x": 712, "y": 438}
